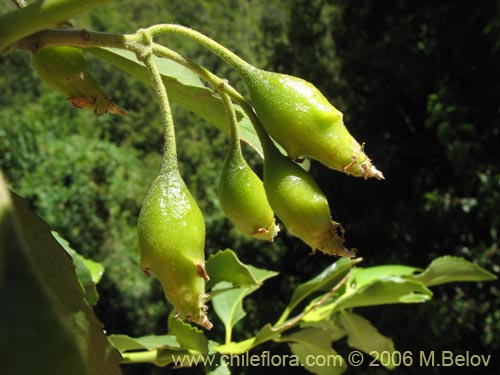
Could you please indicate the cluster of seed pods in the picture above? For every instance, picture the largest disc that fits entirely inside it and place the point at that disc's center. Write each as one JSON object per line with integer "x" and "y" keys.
{"x": 171, "y": 227}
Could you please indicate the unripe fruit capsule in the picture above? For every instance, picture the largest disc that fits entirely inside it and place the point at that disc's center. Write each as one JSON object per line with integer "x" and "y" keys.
{"x": 171, "y": 237}
{"x": 301, "y": 206}
{"x": 302, "y": 120}
{"x": 66, "y": 70}
{"x": 243, "y": 199}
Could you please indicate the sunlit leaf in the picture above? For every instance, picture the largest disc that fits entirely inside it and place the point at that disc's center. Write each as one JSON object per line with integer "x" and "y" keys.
{"x": 447, "y": 269}
{"x": 89, "y": 272}
{"x": 363, "y": 276}
{"x": 225, "y": 266}
{"x": 383, "y": 291}
{"x": 126, "y": 343}
{"x": 229, "y": 305}
{"x": 326, "y": 280}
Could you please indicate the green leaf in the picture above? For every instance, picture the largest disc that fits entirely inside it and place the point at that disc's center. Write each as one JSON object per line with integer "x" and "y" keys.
{"x": 43, "y": 303}
{"x": 314, "y": 349}
{"x": 184, "y": 87}
{"x": 328, "y": 321}
{"x": 386, "y": 290}
{"x": 364, "y": 276}
{"x": 225, "y": 266}
{"x": 126, "y": 343}
{"x": 188, "y": 336}
{"x": 28, "y": 314}
{"x": 447, "y": 269}
{"x": 362, "y": 335}
{"x": 40, "y": 15}
{"x": 229, "y": 305}
{"x": 323, "y": 282}
{"x": 89, "y": 272}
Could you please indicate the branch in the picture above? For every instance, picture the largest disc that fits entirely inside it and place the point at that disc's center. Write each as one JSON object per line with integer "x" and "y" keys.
{"x": 40, "y": 15}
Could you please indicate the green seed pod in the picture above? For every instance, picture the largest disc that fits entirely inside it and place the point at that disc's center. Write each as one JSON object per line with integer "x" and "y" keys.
{"x": 66, "y": 70}
{"x": 301, "y": 206}
{"x": 302, "y": 120}
{"x": 241, "y": 192}
{"x": 243, "y": 199}
{"x": 171, "y": 237}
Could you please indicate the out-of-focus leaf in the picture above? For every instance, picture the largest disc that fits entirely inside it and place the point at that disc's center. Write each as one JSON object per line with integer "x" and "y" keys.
{"x": 27, "y": 314}
{"x": 185, "y": 88}
{"x": 327, "y": 321}
{"x": 362, "y": 335}
{"x": 447, "y": 269}
{"x": 50, "y": 314}
{"x": 89, "y": 272}
{"x": 315, "y": 343}
{"x": 225, "y": 266}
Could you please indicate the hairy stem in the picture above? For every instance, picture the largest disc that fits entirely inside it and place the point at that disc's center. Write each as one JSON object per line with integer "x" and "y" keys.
{"x": 235, "y": 149}
{"x": 233, "y": 60}
{"x": 169, "y": 162}
{"x": 40, "y": 15}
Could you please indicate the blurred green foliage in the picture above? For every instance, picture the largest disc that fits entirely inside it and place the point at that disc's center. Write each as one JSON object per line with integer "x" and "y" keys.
{"x": 418, "y": 82}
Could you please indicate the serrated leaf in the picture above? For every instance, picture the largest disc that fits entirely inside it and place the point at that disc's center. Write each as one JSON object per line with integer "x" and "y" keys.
{"x": 185, "y": 88}
{"x": 89, "y": 272}
{"x": 54, "y": 273}
{"x": 447, "y": 269}
{"x": 387, "y": 290}
{"x": 315, "y": 343}
{"x": 188, "y": 336}
{"x": 362, "y": 335}
{"x": 326, "y": 280}
{"x": 225, "y": 266}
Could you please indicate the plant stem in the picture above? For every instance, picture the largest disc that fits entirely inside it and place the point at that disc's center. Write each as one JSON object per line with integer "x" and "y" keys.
{"x": 233, "y": 60}
{"x": 76, "y": 38}
{"x": 216, "y": 82}
{"x": 40, "y": 15}
{"x": 278, "y": 329}
{"x": 169, "y": 161}
{"x": 235, "y": 146}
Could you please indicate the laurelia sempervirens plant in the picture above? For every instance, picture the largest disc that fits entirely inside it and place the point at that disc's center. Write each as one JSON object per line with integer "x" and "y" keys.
{"x": 287, "y": 109}
{"x": 286, "y": 113}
